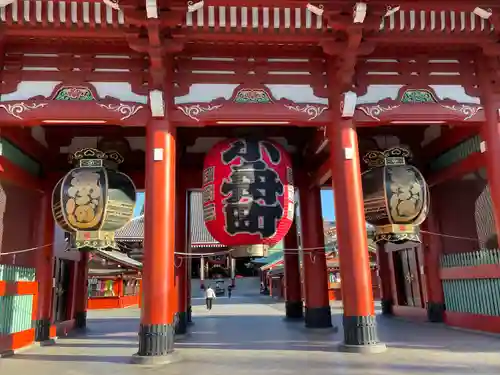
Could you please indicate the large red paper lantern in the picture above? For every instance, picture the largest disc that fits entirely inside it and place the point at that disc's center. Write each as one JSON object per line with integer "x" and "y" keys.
{"x": 248, "y": 194}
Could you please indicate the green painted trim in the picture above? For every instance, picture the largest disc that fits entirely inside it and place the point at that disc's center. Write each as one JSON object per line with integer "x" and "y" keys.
{"x": 456, "y": 154}
{"x": 19, "y": 158}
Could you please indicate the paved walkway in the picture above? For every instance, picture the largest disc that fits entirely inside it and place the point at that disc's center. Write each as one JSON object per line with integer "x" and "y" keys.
{"x": 247, "y": 334}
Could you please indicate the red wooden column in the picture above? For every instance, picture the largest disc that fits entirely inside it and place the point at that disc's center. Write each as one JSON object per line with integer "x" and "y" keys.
{"x": 44, "y": 263}
{"x": 384, "y": 272}
{"x": 156, "y": 332}
{"x": 181, "y": 260}
{"x": 490, "y": 132}
{"x": 317, "y": 305}
{"x": 81, "y": 290}
{"x": 293, "y": 295}
{"x": 433, "y": 248}
{"x": 360, "y": 330}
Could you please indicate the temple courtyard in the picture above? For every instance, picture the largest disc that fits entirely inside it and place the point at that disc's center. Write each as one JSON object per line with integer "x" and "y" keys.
{"x": 247, "y": 335}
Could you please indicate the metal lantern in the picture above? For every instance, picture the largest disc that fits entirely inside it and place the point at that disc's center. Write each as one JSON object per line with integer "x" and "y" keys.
{"x": 248, "y": 195}
{"x": 93, "y": 200}
{"x": 395, "y": 194}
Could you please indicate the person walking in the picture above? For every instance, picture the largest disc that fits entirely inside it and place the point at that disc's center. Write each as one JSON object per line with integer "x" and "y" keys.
{"x": 229, "y": 291}
{"x": 209, "y": 297}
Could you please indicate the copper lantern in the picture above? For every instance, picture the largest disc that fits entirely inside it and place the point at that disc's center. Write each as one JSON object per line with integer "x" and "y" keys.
{"x": 395, "y": 194}
{"x": 93, "y": 200}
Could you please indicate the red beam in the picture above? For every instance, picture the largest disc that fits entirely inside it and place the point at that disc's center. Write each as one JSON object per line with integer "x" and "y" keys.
{"x": 449, "y": 138}
{"x": 471, "y": 164}
{"x": 322, "y": 174}
{"x": 18, "y": 176}
{"x": 23, "y": 140}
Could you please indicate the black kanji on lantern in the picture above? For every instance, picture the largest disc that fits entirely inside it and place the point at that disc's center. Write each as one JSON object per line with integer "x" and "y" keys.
{"x": 252, "y": 190}
{"x": 250, "y": 151}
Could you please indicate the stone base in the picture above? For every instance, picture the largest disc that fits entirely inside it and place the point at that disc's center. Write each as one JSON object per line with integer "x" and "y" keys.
{"x": 81, "y": 320}
{"x": 155, "y": 360}
{"x": 156, "y": 340}
{"x": 318, "y": 317}
{"x": 363, "y": 349}
{"x": 386, "y": 306}
{"x": 42, "y": 330}
{"x": 360, "y": 335}
{"x": 294, "y": 310}
{"x": 435, "y": 312}
{"x": 181, "y": 327}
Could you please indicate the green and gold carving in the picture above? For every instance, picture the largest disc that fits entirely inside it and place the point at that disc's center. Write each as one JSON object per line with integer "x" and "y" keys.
{"x": 252, "y": 96}
{"x": 413, "y": 96}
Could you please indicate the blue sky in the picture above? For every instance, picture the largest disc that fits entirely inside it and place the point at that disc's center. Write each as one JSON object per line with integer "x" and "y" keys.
{"x": 327, "y": 203}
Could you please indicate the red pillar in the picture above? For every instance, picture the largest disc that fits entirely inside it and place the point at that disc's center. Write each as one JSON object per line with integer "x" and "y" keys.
{"x": 317, "y": 311}
{"x": 181, "y": 260}
{"x": 490, "y": 132}
{"x": 384, "y": 272}
{"x": 156, "y": 332}
{"x": 44, "y": 263}
{"x": 432, "y": 254}
{"x": 81, "y": 290}
{"x": 293, "y": 295}
{"x": 360, "y": 332}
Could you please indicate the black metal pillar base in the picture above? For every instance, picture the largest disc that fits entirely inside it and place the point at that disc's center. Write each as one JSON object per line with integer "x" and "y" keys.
{"x": 435, "y": 312}
{"x": 386, "y": 306}
{"x": 181, "y": 327}
{"x": 318, "y": 317}
{"x": 294, "y": 310}
{"x": 156, "y": 345}
{"x": 190, "y": 315}
{"x": 81, "y": 320}
{"x": 42, "y": 330}
{"x": 360, "y": 335}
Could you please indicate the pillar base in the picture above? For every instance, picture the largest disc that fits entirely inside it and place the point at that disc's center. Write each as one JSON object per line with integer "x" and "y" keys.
{"x": 155, "y": 360}
{"x": 435, "y": 312}
{"x": 42, "y": 330}
{"x": 181, "y": 327}
{"x": 360, "y": 335}
{"x": 81, "y": 320}
{"x": 155, "y": 340}
{"x": 294, "y": 310}
{"x": 318, "y": 317}
{"x": 386, "y": 306}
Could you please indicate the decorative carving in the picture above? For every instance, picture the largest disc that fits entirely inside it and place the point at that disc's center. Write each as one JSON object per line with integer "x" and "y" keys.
{"x": 15, "y": 110}
{"x": 468, "y": 111}
{"x": 74, "y": 93}
{"x": 193, "y": 111}
{"x": 418, "y": 96}
{"x": 252, "y": 96}
{"x": 126, "y": 110}
{"x": 311, "y": 110}
{"x": 376, "y": 110}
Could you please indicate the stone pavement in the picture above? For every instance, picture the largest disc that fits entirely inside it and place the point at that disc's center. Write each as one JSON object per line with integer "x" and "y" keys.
{"x": 247, "y": 334}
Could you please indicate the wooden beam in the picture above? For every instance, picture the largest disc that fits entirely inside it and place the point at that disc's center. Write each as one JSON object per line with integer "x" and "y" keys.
{"x": 450, "y": 137}
{"x": 468, "y": 165}
{"x": 322, "y": 174}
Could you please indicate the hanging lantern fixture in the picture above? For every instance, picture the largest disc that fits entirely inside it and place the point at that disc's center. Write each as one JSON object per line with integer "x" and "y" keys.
{"x": 396, "y": 196}
{"x": 93, "y": 200}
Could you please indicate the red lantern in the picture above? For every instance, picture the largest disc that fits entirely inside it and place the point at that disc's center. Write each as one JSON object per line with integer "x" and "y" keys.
{"x": 248, "y": 194}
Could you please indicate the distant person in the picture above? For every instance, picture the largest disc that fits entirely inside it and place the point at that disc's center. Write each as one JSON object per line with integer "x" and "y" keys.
{"x": 229, "y": 291}
{"x": 209, "y": 297}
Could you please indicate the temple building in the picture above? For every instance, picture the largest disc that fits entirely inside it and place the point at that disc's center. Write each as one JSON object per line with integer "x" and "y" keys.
{"x": 256, "y": 108}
